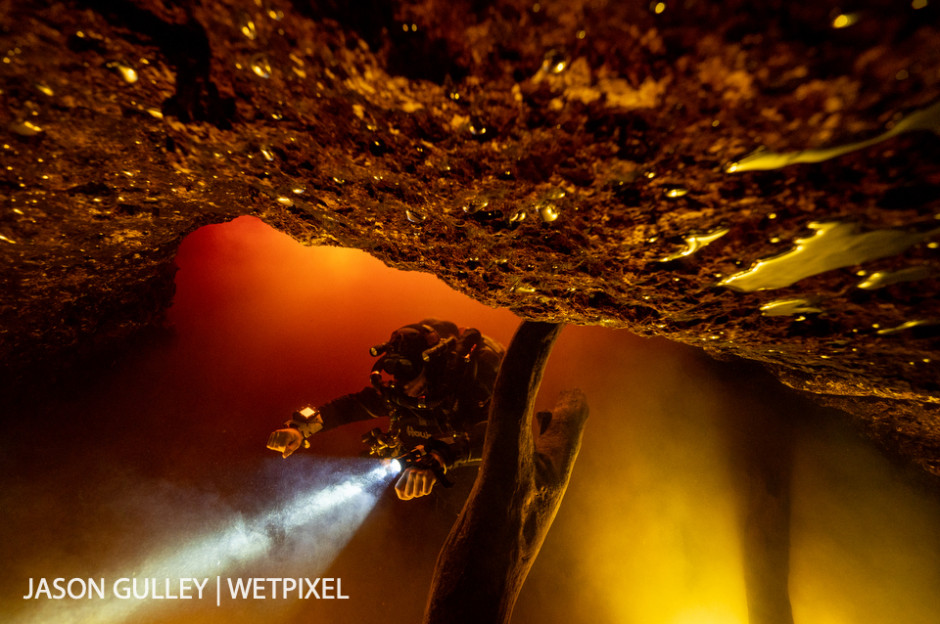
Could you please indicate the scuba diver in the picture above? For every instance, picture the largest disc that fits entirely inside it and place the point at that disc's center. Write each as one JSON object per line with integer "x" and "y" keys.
{"x": 434, "y": 382}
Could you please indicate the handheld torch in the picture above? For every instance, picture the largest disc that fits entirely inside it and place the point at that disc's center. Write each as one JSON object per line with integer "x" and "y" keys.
{"x": 421, "y": 459}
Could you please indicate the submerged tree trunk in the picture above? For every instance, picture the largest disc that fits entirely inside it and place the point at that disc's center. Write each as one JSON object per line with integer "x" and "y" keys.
{"x": 494, "y": 542}
{"x": 761, "y": 437}
{"x": 766, "y": 539}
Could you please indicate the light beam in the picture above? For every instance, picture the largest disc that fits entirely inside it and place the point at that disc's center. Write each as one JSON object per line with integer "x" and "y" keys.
{"x": 327, "y": 515}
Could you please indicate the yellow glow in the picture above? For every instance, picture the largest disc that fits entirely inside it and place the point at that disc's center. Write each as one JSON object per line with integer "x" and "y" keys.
{"x": 695, "y": 242}
{"x": 659, "y": 7}
{"x": 26, "y": 128}
{"x": 549, "y": 213}
{"x": 902, "y": 327}
{"x": 839, "y": 538}
{"x": 260, "y": 66}
{"x": 789, "y": 307}
{"x": 129, "y": 74}
{"x": 763, "y": 160}
{"x": 832, "y": 246}
{"x": 705, "y": 615}
{"x": 664, "y": 552}
{"x": 845, "y": 20}
{"x": 880, "y": 279}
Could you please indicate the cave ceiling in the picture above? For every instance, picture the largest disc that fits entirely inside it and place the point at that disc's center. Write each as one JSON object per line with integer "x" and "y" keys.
{"x": 758, "y": 180}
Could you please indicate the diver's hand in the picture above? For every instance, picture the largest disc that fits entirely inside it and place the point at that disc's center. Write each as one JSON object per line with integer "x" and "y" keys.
{"x": 285, "y": 441}
{"x": 417, "y": 482}
{"x": 414, "y": 483}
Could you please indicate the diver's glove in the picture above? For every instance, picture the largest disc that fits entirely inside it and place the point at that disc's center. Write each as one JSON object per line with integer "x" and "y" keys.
{"x": 422, "y": 469}
{"x": 303, "y": 424}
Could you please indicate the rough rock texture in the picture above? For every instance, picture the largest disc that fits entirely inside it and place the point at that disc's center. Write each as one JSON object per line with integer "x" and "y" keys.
{"x": 542, "y": 156}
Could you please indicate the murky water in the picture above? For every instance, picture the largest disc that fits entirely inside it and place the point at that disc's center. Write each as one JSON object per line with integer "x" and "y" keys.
{"x": 160, "y": 453}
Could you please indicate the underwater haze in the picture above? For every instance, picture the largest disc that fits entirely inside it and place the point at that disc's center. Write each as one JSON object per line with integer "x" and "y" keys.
{"x": 158, "y": 470}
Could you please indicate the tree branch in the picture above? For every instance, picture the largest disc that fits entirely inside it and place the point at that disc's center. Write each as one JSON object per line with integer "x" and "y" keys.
{"x": 494, "y": 542}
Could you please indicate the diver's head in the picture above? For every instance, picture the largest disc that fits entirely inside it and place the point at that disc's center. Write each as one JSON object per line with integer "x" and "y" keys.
{"x": 402, "y": 356}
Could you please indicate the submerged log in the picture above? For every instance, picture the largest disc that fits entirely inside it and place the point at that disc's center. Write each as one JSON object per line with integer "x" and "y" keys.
{"x": 493, "y": 544}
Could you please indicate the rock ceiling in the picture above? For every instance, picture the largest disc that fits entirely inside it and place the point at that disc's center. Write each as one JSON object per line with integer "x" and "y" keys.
{"x": 758, "y": 180}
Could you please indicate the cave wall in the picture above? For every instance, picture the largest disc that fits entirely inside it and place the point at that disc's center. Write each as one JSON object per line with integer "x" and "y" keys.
{"x": 578, "y": 162}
